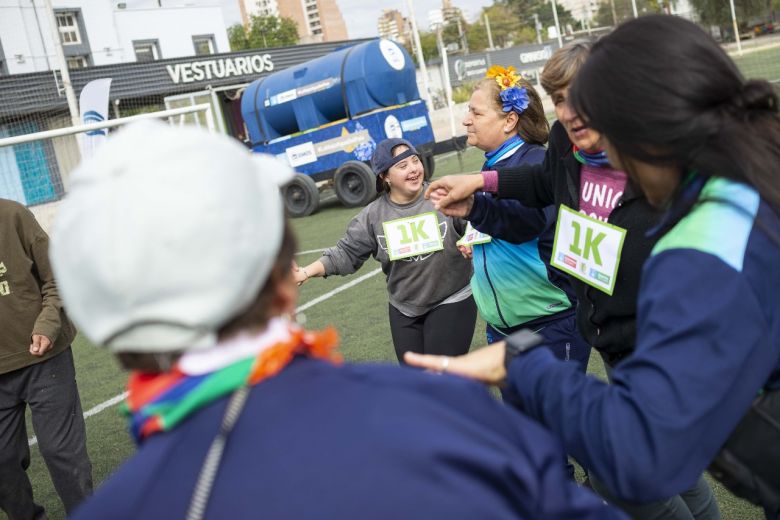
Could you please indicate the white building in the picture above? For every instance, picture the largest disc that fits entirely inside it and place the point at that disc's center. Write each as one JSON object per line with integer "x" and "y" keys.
{"x": 103, "y": 32}
{"x": 582, "y": 10}
{"x": 264, "y": 7}
{"x": 684, "y": 9}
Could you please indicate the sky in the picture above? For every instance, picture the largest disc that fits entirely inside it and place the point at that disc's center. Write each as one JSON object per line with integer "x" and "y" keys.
{"x": 361, "y": 15}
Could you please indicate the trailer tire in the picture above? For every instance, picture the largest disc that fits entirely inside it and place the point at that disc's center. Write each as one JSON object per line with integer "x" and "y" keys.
{"x": 355, "y": 184}
{"x": 301, "y": 196}
{"x": 429, "y": 162}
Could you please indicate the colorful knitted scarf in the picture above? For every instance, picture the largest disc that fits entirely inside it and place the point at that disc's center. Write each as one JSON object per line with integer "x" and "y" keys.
{"x": 595, "y": 159}
{"x": 158, "y": 402}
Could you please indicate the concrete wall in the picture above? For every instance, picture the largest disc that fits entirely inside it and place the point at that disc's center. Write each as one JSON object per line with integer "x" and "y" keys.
{"x": 172, "y": 27}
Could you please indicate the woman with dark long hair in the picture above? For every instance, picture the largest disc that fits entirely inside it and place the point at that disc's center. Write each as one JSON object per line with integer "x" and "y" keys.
{"x": 704, "y": 144}
{"x": 577, "y": 183}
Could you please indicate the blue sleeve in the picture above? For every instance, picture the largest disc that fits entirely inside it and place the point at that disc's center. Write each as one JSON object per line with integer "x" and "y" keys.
{"x": 703, "y": 351}
{"x": 514, "y": 456}
{"x": 506, "y": 219}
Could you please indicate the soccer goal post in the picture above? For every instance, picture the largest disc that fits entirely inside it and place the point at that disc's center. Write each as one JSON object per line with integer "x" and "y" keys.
{"x": 35, "y": 167}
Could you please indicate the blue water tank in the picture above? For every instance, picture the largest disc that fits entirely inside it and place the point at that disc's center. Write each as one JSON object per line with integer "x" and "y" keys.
{"x": 343, "y": 84}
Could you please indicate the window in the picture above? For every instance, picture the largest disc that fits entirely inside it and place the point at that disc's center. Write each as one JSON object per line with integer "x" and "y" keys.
{"x": 204, "y": 44}
{"x": 311, "y": 7}
{"x": 317, "y": 31}
{"x": 67, "y": 24}
{"x": 146, "y": 50}
{"x": 77, "y": 62}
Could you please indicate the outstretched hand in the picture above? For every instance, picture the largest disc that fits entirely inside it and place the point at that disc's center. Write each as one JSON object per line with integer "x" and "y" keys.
{"x": 299, "y": 274}
{"x": 485, "y": 365}
{"x": 453, "y": 194}
{"x": 461, "y": 208}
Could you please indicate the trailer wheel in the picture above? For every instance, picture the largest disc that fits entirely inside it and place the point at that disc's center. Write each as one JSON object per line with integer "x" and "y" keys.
{"x": 301, "y": 196}
{"x": 355, "y": 184}
{"x": 429, "y": 162}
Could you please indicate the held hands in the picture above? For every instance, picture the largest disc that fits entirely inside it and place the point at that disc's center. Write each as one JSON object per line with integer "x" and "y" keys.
{"x": 466, "y": 251}
{"x": 453, "y": 195}
{"x": 485, "y": 365}
{"x": 40, "y": 345}
{"x": 299, "y": 274}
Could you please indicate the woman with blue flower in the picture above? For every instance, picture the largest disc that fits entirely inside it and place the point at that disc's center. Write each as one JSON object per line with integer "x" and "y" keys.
{"x": 511, "y": 284}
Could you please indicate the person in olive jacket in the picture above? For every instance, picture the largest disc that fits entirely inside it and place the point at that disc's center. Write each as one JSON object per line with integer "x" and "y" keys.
{"x": 36, "y": 370}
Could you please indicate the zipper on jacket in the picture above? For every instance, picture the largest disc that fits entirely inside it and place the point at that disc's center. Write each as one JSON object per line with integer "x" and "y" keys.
{"x": 492, "y": 289}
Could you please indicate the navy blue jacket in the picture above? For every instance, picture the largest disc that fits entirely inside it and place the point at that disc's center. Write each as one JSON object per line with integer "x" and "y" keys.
{"x": 707, "y": 340}
{"x": 320, "y": 441}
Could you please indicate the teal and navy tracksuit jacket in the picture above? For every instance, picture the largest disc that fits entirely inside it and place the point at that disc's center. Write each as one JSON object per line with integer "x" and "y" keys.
{"x": 513, "y": 284}
{"x": 708, "y": 339}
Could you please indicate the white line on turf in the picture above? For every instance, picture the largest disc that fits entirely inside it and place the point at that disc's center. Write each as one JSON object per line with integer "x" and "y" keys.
{"x": 309, "y": 251}
{"x": 319, "y": 299}
{"x": 94, "y": 410}
{"x": 337, "y": 290}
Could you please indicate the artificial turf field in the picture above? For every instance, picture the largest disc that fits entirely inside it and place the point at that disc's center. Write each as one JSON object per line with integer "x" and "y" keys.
{"x": 359, "y": 312}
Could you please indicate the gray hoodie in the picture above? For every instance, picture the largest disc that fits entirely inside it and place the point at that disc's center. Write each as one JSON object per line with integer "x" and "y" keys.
{"x": 414, "y": 285}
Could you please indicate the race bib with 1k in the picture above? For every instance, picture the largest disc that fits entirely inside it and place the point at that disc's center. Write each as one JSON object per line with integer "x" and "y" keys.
{"x": 412, "y": 236}
{"x": 587, "y": 249}
{"x": 473, "y": 237}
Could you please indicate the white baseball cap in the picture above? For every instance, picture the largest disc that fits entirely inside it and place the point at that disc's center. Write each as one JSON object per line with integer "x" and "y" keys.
{"x": 165, "y": 235}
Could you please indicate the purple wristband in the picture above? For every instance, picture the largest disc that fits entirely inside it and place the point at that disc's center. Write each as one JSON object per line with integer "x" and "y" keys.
{"x": 490, "y": 180}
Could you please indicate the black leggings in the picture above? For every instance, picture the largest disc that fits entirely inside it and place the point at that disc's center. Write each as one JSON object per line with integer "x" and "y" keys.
{"x": 444, "y": 330}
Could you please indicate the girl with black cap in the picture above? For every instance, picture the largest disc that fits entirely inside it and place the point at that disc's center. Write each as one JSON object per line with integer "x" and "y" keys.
{"x": 431, "y": 307}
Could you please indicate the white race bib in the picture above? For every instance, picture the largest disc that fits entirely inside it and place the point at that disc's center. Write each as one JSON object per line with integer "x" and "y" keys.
{"x": 473, "y": 237}
{"x": 411, "y": 236}
{"x": 587, "y": 249}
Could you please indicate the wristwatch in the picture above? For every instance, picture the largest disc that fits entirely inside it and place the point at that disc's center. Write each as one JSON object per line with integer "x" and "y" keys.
{"x": 518, "y": 343}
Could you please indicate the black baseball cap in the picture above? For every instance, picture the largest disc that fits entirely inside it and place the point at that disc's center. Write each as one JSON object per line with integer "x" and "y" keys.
{"x": 383, "y": 158}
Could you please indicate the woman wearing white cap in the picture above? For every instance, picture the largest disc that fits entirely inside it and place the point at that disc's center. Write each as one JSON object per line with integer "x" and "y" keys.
{"x": 239, "y": 413}
{"x": 432, "y": 310}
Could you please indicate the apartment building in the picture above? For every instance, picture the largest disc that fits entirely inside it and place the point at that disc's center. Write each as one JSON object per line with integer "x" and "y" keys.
{"x": 394, "y": 26}
{"x": 317, "y": 20}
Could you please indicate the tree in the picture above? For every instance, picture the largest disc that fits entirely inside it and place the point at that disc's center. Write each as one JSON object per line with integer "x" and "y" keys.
{"x": 525, "y": 10}
{"x": 264, "y": 32}
{"x": 237, "y": 37}
{"x": 506, "y": 28}
{"x": 624, "y": 10}
{"x": 430, "y": 49}
{"x": 477, "y": 37}
{"x": 715, "y": 12}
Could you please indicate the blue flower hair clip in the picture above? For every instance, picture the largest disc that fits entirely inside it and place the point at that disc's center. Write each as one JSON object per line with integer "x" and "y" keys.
{"x": 514, "y": 99}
